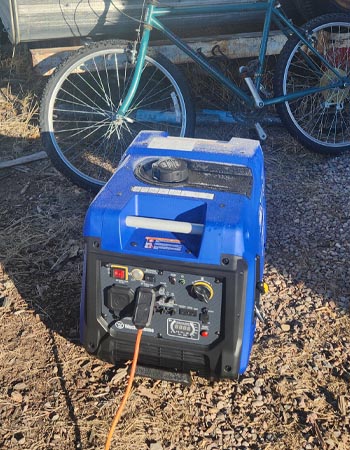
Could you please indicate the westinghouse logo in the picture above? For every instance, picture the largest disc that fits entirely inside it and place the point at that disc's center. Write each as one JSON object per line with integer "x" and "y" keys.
{"x": 121, "y": 325}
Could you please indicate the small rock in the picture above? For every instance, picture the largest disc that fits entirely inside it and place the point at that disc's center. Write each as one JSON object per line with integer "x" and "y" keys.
{"x": 120, "y": 374}
{"x": 16, "y": 396}
{"x": 156, "y": 446}
{"x": 54, "y": 416}
{"x": 285, "y": 327}
{"x": 259, "y": 382}
{"x": 257, "y": 404}
{"x": 257, "y": 390}
{"x": 221, "y": 405}
{"x": 19, "y": 387}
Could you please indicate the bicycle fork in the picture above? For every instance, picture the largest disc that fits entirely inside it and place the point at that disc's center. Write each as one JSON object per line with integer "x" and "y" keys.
{"x": 140, "y": 61}
{"x": 137, "y": 74}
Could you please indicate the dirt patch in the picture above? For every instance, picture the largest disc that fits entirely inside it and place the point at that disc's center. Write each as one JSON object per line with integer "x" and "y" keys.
{"x": 295, "y": 393}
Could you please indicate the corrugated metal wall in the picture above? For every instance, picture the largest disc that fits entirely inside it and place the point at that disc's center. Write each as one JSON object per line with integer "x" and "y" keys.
{"x": 38, "y": 19}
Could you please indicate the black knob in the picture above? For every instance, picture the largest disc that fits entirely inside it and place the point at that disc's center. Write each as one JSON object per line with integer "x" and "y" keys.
{"x": 201, "y": 292}
{"x": 170, "y": 170}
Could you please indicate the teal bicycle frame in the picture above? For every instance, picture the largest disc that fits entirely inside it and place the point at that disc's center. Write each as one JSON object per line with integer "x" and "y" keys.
{"x": 272, "y": 14}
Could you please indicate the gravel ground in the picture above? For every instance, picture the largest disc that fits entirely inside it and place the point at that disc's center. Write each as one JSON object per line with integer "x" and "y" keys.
{"x": 295, "y": 393}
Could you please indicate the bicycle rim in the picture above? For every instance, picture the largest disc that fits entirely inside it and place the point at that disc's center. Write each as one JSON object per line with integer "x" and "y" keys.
{"x": 322, "y": 118}
{"x": 83, "y": 125}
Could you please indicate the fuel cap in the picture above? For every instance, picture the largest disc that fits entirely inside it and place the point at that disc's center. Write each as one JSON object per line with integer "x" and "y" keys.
{"x": 170, "y": 170}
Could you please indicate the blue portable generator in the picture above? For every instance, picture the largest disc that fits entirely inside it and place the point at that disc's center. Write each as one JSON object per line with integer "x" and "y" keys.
{"x": 182, "y": 221}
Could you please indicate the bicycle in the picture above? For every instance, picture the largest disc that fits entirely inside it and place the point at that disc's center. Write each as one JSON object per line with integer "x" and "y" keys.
{"x": 102, "y": 96}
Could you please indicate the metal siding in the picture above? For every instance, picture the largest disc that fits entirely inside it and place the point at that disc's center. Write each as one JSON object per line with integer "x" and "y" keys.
{"x": 50, "y": 19}
{"x": 6, "y": 17}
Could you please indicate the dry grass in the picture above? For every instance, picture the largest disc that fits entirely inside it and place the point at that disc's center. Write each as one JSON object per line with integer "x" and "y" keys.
{"x": 19, "y": 106}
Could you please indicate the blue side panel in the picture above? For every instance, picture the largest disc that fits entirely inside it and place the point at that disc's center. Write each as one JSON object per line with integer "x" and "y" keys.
{"x": 249, "y": 323}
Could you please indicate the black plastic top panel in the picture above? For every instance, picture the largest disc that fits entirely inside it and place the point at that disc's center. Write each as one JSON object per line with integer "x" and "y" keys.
{"x": 199, "y": 174}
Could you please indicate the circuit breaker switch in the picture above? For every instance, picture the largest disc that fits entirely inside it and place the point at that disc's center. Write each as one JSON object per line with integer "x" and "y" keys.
{"x": 204, "y": 316}
{"x": 150, "y": 277}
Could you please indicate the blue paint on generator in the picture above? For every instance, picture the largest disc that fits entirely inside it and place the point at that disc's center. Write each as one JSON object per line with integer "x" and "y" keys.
{"x": 184, "y": 220}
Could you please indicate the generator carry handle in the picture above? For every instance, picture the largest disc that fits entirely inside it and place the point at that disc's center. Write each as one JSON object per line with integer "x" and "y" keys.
{"x": 164, "y": 225}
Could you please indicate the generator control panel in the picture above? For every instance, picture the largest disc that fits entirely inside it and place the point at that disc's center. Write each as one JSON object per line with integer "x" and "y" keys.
{"x": 186, "y": 306}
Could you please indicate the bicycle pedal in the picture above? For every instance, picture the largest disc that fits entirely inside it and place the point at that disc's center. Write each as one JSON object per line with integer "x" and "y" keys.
{"x": 250, "y": 69}
{"x": 261, "y": 133}
{"x": 244, "y": 72}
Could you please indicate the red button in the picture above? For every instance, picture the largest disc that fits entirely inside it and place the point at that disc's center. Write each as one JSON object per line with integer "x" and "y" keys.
{"x": 119, "y": 274}
{"x": 204, "y": 333}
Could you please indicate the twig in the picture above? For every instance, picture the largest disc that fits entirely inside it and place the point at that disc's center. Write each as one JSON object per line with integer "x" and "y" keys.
{"x": 3, "y": 96}
{"x": 23, "y": 160}
{"x": 319, "y": 435}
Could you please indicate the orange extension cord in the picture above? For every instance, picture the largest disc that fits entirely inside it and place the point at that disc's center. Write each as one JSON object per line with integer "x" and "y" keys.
{"x": 127, "y": 391}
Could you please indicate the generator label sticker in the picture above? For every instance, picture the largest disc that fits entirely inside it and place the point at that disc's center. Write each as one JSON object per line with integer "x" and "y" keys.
{"x": 185, "y": 329}
{"x": 173, "y": 143}
{"x": 156, "y": 243}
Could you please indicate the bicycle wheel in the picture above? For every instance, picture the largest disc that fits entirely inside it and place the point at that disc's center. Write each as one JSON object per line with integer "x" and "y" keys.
{"x": 306, "y": 9}
{"x": 79, "y": 126}
{"x": 320, "y": 121}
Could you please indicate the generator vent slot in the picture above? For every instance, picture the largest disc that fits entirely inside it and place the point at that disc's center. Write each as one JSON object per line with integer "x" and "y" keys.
{"x": 169, "y": 358}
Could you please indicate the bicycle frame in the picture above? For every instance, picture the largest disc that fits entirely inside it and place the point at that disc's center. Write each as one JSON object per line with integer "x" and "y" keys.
{"x": 272, "y": 14}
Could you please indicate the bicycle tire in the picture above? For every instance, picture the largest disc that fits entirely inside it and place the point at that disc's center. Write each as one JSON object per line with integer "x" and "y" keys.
{"x": 306, "y": 8}
{"x": 292, "y": 11}
{"x": 339, "y": 5}
{"x": 316, "y": 8}
{"x": 320, "y": 121}
{"x": 80, "y": 130}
